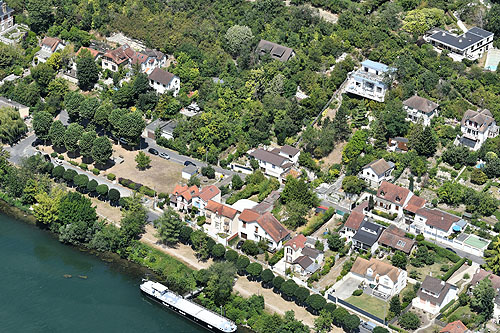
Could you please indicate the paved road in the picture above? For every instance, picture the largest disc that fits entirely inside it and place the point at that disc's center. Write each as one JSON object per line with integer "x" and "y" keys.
{"x": 463, "y": 254}
{"x": 25, "y": 149}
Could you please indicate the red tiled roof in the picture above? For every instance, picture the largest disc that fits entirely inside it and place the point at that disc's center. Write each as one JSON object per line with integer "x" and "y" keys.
{"x": 455, "y": 327}
{"x": 186, "y": 192}
{"x": 221, "y": 209}
{"x": 481, "y": 274}
{"x": 51, "y": 42}
{"x": 354, "y": 220}
{"x": 361, "y": 207}
{"x": 415, "y": 203}
{"x": 393, "y": 193}
{"x": 93, "y": 52}
{"x": 209, "y": 192}
{"x": 268, "y": 222}
{"x": 120, "y": 55}
{"x": 297, "y": 242}
{"x": 179, "y": 189}
{"x": 438, "y": 219}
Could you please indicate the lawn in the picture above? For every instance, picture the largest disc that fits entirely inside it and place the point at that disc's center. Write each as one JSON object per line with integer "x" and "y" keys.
{"x": 370, "y": 304}
{"x": 464, "y": 313}
{"x": 435, "y": 268}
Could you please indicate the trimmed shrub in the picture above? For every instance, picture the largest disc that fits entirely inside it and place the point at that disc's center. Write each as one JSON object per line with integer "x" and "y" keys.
{"x": 84, "y": 166}
{"x": 231, "y": 255}
{"x": 102, "y": 190}
{"x": 96, "y": 171}
{"x": 316, "y": 302}
{"x": 277, "y": 282}
{"x": 277, "y": 257}
{"x": 111, "y": 176}
{"x": 92, "y": 185}
{"x": 53, "y": 154}
{"x": 58, "y": 171}
{"x": 452, "y": 270}
{"x": 147, "y": 191}
{"x": 114, "y": 195}
{"x": 357, "y": 292}
{"x": 69, "y": 175}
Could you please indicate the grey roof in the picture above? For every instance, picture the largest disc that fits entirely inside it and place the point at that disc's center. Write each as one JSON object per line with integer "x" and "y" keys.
{"x": 8, "y": 9}
{"x": 368, "y": 233}
{"x": 165, "y": 126}
{"x": 310, "y": 252}
{"x": 5, "y": 102}
{"x": 421, "y": 104}
{"x": 435, "y": 286}
{"x": 276, "y": 51}
{"x": 159, "y": 75}
{"x": 268, "y": 157}
{"x": 463, "y": 41}
{"x": 380, "y": 166}
{"x": 468, "y": 142}
{"x": 303, "y": 261}
{"x": 190, "y": 169}
{"x": 400, "y": 139}
{"x": 289, "y": 150}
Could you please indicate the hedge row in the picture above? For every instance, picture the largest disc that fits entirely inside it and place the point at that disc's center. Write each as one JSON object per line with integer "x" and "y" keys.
{"x": 447, "y": 306}
{"x": 453, "y": 269}
{"x": 318, "y": 221}
{"x": 440, "y": 251}
{"x": 137, "y": 187}
{"x": 277, "y": 257}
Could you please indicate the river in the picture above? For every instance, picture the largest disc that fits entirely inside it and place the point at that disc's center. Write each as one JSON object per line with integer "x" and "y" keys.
{"x": 100, "y": 296}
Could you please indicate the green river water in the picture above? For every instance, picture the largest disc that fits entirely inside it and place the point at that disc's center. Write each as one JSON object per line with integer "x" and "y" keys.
{"x": 36, "y": 297}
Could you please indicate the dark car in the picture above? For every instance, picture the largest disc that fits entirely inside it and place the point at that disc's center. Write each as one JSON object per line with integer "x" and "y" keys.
{"x": 37, "y": 142}
{"x": 450, "y": 249}
{"x": 189, "y": 163}
{"x": 153, "y": 151}
{"x": 240, "y": 244}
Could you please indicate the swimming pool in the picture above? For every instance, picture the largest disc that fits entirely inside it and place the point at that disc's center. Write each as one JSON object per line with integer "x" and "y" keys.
{"x": 492, "y": 59}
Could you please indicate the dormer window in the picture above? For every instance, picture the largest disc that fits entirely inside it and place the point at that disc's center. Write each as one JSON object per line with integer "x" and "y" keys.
{"x": 382, "y": 193}
{"x": 398, "y": 198}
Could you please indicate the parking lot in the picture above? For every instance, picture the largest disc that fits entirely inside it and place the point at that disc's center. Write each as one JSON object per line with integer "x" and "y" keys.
{"x": 345, "y": 289}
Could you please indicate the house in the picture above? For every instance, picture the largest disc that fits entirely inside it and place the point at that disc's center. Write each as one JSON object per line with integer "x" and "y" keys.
{"x": 455, "y": 327}
{"x": 277, "y": 162}
{"x": 184, "y": 198}
{"x": 386, "y": 279}
{"x": 470, "y": 45}
{"x": 419, "y": 109}
{"x": 352, "y": 225}
{"x": 411, "y": 208}
{"x": 6, "y": 16}
{"x": 436, "y": 224}
{"x": 476, "y": 127}
{"x": 366, "y": 238}
{"x": 293, "y": 248}
{"x": 189, "y": 171}
{"x": 301, "y": 254}
{"x": 265, "y": 227}
{"x": 96, "y": 54}
{"x": 433, "y": 295}
{"x": 23, "y": 110}
{"x": 305, "y": 265}
{"x": 369, "y": 81}
{"x": 220, "y": 218}
{"x": 392, "y": 198}
{"x": 162, "y": 81}
{"x": 376, "y": 172}
{"x": 275, "y": 51}
{"x": 120, "y": 56}
{"x": 149, "y": 60}
{"x": 49, "y": 46}
{"x": 398, "y": 144}
{"x": 395, "y": 238}
{"x": 166, "y": 129}
{"x": 480, "y": 275}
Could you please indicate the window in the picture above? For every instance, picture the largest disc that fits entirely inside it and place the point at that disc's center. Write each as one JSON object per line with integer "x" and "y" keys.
{"x": 244, "y": 225}
{"x": 289, "y": 250}
{"x": 401, "y": 243}
{"x": 256, "y": 230}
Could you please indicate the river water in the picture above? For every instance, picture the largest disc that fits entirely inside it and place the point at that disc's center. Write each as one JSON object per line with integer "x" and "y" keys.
{"x": 100, "y": 296}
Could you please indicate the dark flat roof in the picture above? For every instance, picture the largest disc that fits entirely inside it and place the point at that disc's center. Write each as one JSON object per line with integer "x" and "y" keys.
{"x": 463, "y": 41}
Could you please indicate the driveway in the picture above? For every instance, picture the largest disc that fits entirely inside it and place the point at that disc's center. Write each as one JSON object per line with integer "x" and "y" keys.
{"x": 22, "y": 149}
{"x": 345, "y": 289}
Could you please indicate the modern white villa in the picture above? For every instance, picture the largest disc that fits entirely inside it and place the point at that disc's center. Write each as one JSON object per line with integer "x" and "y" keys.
{"x": 369, "y": 81}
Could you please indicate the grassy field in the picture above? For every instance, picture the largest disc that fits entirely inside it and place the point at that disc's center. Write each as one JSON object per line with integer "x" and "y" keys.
{"x": 370, "y": 304}
{"x": 435, "y": 268}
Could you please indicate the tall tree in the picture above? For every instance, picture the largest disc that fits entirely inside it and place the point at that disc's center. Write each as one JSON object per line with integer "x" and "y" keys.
{"x": 40, "y": 15}
{"x": 143, "y": 161}
{"x": 102, "y": 150}
{"x": 168, "y": 227}
{"x": 238, "y": 39}
{"x": 43, "y": 74}
{"x": 72, "y": 102}
{"x": 72, "y": 135}
{"x": 87, "y": 71}
{"x": 86, "y": 143}
{"x": 482, "y": 300}
{"x": 56, "y": 134}
{"x": 42, "y": 122}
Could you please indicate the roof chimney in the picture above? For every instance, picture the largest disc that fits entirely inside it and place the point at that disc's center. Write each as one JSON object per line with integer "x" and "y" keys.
{"x": 4, "y": 7}
{"x": 460, "y": 40}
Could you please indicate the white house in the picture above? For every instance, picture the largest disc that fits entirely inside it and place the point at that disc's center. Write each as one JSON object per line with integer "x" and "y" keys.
{"x": 369, "y": 81}
{"x": 392, "y": 198}
{"x": 162, "y": 81}
{"x": 49, "y": 46}
{"x": 257, "y": 227}
{"x": 376, "y": 172}
{"x": 220, "y": 218}
{"x": 419, "y": 109}
{"x": 149, "y": 60}
{"x": 352, "y": 225}
{"x": 436, "y": 224}
{"x": 277, "y": 162}
{"x": 471, "y": 44}
{"x": 6, "y": 16}
{"x": 386, "y": 279}
{"x": 433, "y": 295}
{"x": 476, "y": 127}
{"x": 184, "y": 198}
{"x": 301, "y": 254}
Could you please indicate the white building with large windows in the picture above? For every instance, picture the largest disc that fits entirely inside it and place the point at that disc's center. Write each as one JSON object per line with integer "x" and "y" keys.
{"x": 257, "y": 227}
{"x": 370, "y": 80}
{"x": 476, "y": 127}
{"x": 6, "y": 16}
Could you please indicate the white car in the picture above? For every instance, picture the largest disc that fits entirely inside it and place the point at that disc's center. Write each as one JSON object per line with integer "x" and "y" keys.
{"x": 164, "y": 155}
{"x": 58, "y": 161}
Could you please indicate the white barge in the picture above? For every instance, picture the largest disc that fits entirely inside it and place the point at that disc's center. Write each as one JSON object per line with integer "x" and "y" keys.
{"x": 194, "y": 312}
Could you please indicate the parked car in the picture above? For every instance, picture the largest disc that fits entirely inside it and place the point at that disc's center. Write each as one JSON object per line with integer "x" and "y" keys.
{"x": 153, "y": 151}
{"x": 58, "y": 161}
{"x": 123, "y": 141}
{"x": 189, "y": 163}
{"x": 165, "y": 156}
{"x": 450, "y": 249}
{"x": 240, "y": 244}
{"x": 369, "y": 326}
{"x": 37, "y": 142}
